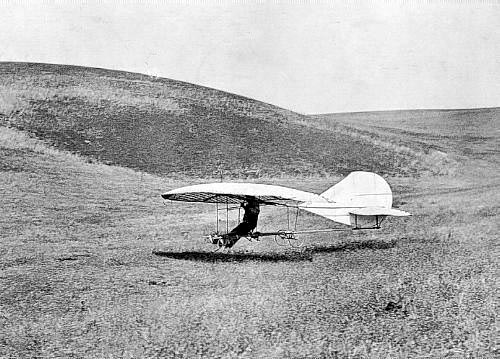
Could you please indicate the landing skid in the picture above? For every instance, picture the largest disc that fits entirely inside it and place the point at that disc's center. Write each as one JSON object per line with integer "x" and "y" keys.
{"x": 222, "y": 241}
{"x": 283, "y": 238}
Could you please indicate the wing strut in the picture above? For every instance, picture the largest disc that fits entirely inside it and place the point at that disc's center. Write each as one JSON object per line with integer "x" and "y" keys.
{"x": 227, "y": 216}
{"x": 217, "y": 218}
{"x": 288, "y": 219}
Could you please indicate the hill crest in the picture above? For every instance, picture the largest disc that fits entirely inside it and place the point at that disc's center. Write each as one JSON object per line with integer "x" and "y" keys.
{"x": 170, "y": 127}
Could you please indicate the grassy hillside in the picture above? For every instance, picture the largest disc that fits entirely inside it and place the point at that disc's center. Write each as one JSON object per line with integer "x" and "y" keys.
{"x": 167, "y": 127}
{"x": 93, "y": 265}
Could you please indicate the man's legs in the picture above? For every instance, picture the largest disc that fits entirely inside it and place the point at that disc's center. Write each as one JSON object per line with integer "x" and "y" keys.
{"x": 241, "y": 230}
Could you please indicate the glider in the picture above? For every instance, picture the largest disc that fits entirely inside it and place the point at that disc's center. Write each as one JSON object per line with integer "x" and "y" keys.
{"x": 362, "y": 200}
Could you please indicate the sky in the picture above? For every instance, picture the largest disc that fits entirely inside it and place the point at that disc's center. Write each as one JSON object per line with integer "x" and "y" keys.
{"x": 307, "y": 56}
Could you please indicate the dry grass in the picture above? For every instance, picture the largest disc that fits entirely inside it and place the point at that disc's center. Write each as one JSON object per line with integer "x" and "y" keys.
{"x": 79, "y": 277}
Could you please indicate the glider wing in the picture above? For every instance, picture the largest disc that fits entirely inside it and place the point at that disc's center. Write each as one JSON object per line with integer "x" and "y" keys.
{"x": 235, "y": 193}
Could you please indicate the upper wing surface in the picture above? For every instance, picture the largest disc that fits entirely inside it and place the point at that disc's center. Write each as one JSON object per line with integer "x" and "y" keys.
{"x": 238, "y": 192}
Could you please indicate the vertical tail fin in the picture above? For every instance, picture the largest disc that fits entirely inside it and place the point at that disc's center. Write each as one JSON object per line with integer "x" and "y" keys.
{"x": 361, "y": 189}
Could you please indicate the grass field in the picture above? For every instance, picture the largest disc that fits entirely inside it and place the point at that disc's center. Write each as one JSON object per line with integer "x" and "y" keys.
{"x": 79, "y": 277}
{"x": 93, "y": 264}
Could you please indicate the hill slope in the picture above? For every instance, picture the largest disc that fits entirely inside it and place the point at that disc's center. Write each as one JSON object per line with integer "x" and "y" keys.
{"x": 472, "y": 133}
{"x": 165, "y": 126}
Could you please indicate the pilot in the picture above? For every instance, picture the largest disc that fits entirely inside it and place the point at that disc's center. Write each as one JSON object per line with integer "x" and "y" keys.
{"x": 247, "y": 225}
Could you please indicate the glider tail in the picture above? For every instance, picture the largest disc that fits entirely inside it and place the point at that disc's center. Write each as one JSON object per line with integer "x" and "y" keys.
{"x": 361, "y": 189}
{"x": 361, "y": 200}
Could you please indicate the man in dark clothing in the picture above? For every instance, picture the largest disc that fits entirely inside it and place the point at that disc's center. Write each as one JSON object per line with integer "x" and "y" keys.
{"x": 247, "y": 225}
